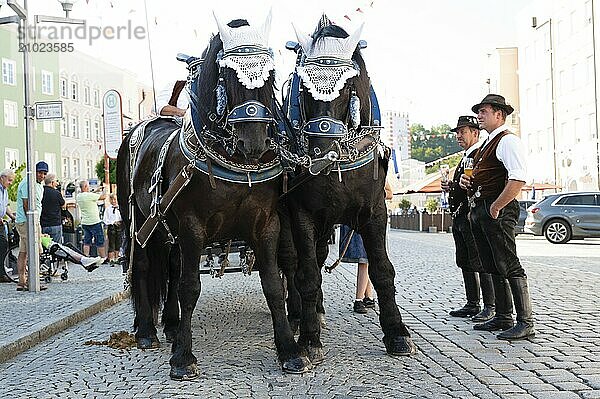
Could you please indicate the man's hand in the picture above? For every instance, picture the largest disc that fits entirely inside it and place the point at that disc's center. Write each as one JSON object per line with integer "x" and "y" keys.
{"x": 494, "y": 210}
{"x": 446, "y": 185}
{"x": 465, "y": 182}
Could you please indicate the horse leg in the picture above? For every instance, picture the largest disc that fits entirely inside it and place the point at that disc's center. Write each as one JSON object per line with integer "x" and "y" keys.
{"x": 287, "y": 349}
{"x": 381, "y": 272}
{"x": 141, "y": 292}
{"x": 170, "y": 315}
{"x": 288, "y": 263}
{"x": 308, "y": 282}
{"x": 183, "y": 361}
{"x": 322, "y": 253}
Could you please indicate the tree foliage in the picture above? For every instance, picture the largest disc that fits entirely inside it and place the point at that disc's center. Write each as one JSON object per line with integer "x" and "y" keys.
{"x": 12, "y": 189}
{"x": 430, "y": 144}
{"x": 451, "y": 162}
{"x": 113, "y": 171}
{"x": 432, "y": 205}
{"x": 404, "y": 204}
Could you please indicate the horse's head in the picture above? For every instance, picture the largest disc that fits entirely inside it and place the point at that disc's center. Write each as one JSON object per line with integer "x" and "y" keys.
{"x": 239, "y": 83}
{"x": 335, "y": 95}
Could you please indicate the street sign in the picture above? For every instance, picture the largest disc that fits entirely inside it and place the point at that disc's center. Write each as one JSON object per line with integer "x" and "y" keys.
{"x": 113, "y": 122}
{"x": 48, "y": 110}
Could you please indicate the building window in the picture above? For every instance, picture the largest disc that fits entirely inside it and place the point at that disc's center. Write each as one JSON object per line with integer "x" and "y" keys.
{"x": 50, "y": 158}
{"x": 75, "y": 126}
{"x": 74, "y": 91}
{"x": 10, "y": 113}
{"x": 86, "y": 95}
{"x": 96, "y": 98}
{"x": 9, "y": 68}
{"x": 11, "y": 158}
{"x": 48, "y": 126}
{"x": 63, "y": 127}
{"x": 87, "y": 132}
{"x": 89, "y": 168}
{"x": 65, "y": 167}
{"x": 64, "y": 88}
{"x": 97, "y": 133}
{"x": 75, "y": 167}
{"x": 47, "y": 86}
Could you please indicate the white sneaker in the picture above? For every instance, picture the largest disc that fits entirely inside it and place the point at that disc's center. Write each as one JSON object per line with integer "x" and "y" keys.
{"x": 86, "y": 261}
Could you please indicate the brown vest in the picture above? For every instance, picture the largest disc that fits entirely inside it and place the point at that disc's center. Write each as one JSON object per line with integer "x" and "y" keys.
{"x": 488, "y": 172}
{"x": 179, "y": 85}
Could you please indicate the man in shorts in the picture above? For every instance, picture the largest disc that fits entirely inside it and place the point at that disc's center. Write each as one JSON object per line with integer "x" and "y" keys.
{"x": 23, "y": 206}
{"x": 90, "y": 218}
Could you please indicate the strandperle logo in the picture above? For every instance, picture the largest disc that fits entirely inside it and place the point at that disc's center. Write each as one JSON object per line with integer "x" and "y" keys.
{"x": 84, "y": 32}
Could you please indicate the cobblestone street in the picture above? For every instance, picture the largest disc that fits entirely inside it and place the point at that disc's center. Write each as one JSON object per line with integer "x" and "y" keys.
{"x": 233, "y": 339}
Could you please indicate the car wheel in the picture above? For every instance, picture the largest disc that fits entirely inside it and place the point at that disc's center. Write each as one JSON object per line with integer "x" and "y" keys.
{"x": 557, "y": 232}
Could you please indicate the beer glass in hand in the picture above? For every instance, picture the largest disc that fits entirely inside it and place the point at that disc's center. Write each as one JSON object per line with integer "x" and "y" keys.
{"x": 468, "y": 166}
{"x": 445, "y": 171}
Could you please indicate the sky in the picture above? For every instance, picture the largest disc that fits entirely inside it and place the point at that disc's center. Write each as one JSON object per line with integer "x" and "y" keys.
{"x": 428, "y": 58}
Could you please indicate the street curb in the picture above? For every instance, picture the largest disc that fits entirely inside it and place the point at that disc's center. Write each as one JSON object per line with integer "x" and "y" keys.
{"x": 12, "y": 349}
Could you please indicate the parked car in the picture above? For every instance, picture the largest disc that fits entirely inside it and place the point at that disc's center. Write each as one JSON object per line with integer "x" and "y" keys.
{"x": 523, "y": 205}
{"x": 565, "y": 216}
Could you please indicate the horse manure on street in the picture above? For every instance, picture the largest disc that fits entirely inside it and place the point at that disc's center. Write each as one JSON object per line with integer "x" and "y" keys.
{"x": 117, "y": 340}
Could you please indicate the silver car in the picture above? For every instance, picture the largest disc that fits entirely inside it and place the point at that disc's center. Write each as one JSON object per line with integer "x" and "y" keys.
{"x": 565, "y": 216}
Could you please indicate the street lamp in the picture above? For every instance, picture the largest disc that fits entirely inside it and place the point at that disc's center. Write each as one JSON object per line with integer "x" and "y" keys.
{"x": 22, "y": 18}
{"x": 67, "y": 6}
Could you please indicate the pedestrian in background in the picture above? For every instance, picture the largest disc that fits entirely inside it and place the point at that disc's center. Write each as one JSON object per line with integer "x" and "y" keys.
{"x": 23, "y": 206}
{"x": 499, "y": 173}
{"x": 113, "y": 221}
{"x": 467, "y": 256}
{"x": 7, "y": 176}
{"x": 90, "y": 218}
{"x": 352, "y": 250}
{"x": 52, "y": 205}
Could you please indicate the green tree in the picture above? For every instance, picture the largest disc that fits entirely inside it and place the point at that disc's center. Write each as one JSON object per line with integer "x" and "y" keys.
{"x": 432, "y": 205}
{"x": 12, "y": 189}
{"x": 113, "y": 171}
{"x": 452, "y": 162}
{"x": 404, "y": 204}
{"x": 430, "y": 144}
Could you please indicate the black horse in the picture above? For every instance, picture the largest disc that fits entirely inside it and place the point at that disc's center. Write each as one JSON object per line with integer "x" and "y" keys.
{"x": 224, "y": 199}
{"x": 346, "y": 177}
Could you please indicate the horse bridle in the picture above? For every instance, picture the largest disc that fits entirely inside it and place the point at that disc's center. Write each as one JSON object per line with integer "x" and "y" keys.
{"x": 251, "y": 111}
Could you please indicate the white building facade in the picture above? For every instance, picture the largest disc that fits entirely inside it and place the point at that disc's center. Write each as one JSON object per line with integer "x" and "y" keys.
{"x": 558, "y": 82}
{"x": 83, "y": 81}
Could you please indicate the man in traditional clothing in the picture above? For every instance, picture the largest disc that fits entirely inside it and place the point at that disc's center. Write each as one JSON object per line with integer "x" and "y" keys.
{"x": 173, "y": 100}
{"x": 498, "y": 176}
{"x": 467, "y": 256}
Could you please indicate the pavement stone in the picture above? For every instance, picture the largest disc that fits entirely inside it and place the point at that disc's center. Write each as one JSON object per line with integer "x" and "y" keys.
{"x": 233, "y": 337}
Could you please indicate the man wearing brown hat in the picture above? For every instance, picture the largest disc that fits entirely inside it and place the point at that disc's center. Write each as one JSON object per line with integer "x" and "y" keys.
{"x": 467, "y": 257}
{"x": 498, "y": 174}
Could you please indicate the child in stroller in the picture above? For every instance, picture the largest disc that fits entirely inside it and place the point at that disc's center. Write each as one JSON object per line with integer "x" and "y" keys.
{"x": 54, "y": 253}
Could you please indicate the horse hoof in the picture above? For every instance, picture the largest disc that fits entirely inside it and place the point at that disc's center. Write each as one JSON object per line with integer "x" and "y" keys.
{"x": 170, "y": 336}
{"x": 316, "y": 355}
{"x": 185, "y": 373}
{"x": 322, "y": 321}
{"x": 297, "y": 365}
{"x": 148, "y": 343}
{"x": 400, "y": 346}
{"x": 295, "y": 326}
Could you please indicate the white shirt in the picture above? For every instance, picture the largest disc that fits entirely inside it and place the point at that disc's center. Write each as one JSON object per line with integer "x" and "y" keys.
{"x": 111, "y": 215}
{"x": 511, "y": 153}
{"x": 163, "y": 97}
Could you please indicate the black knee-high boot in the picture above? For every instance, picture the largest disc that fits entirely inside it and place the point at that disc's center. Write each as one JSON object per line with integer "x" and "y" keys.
{"x": 524, "y": 327}
{"x": 504, "y": 305}
{"x": 471, "y": 308}
{"x": 489, "y": 298}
